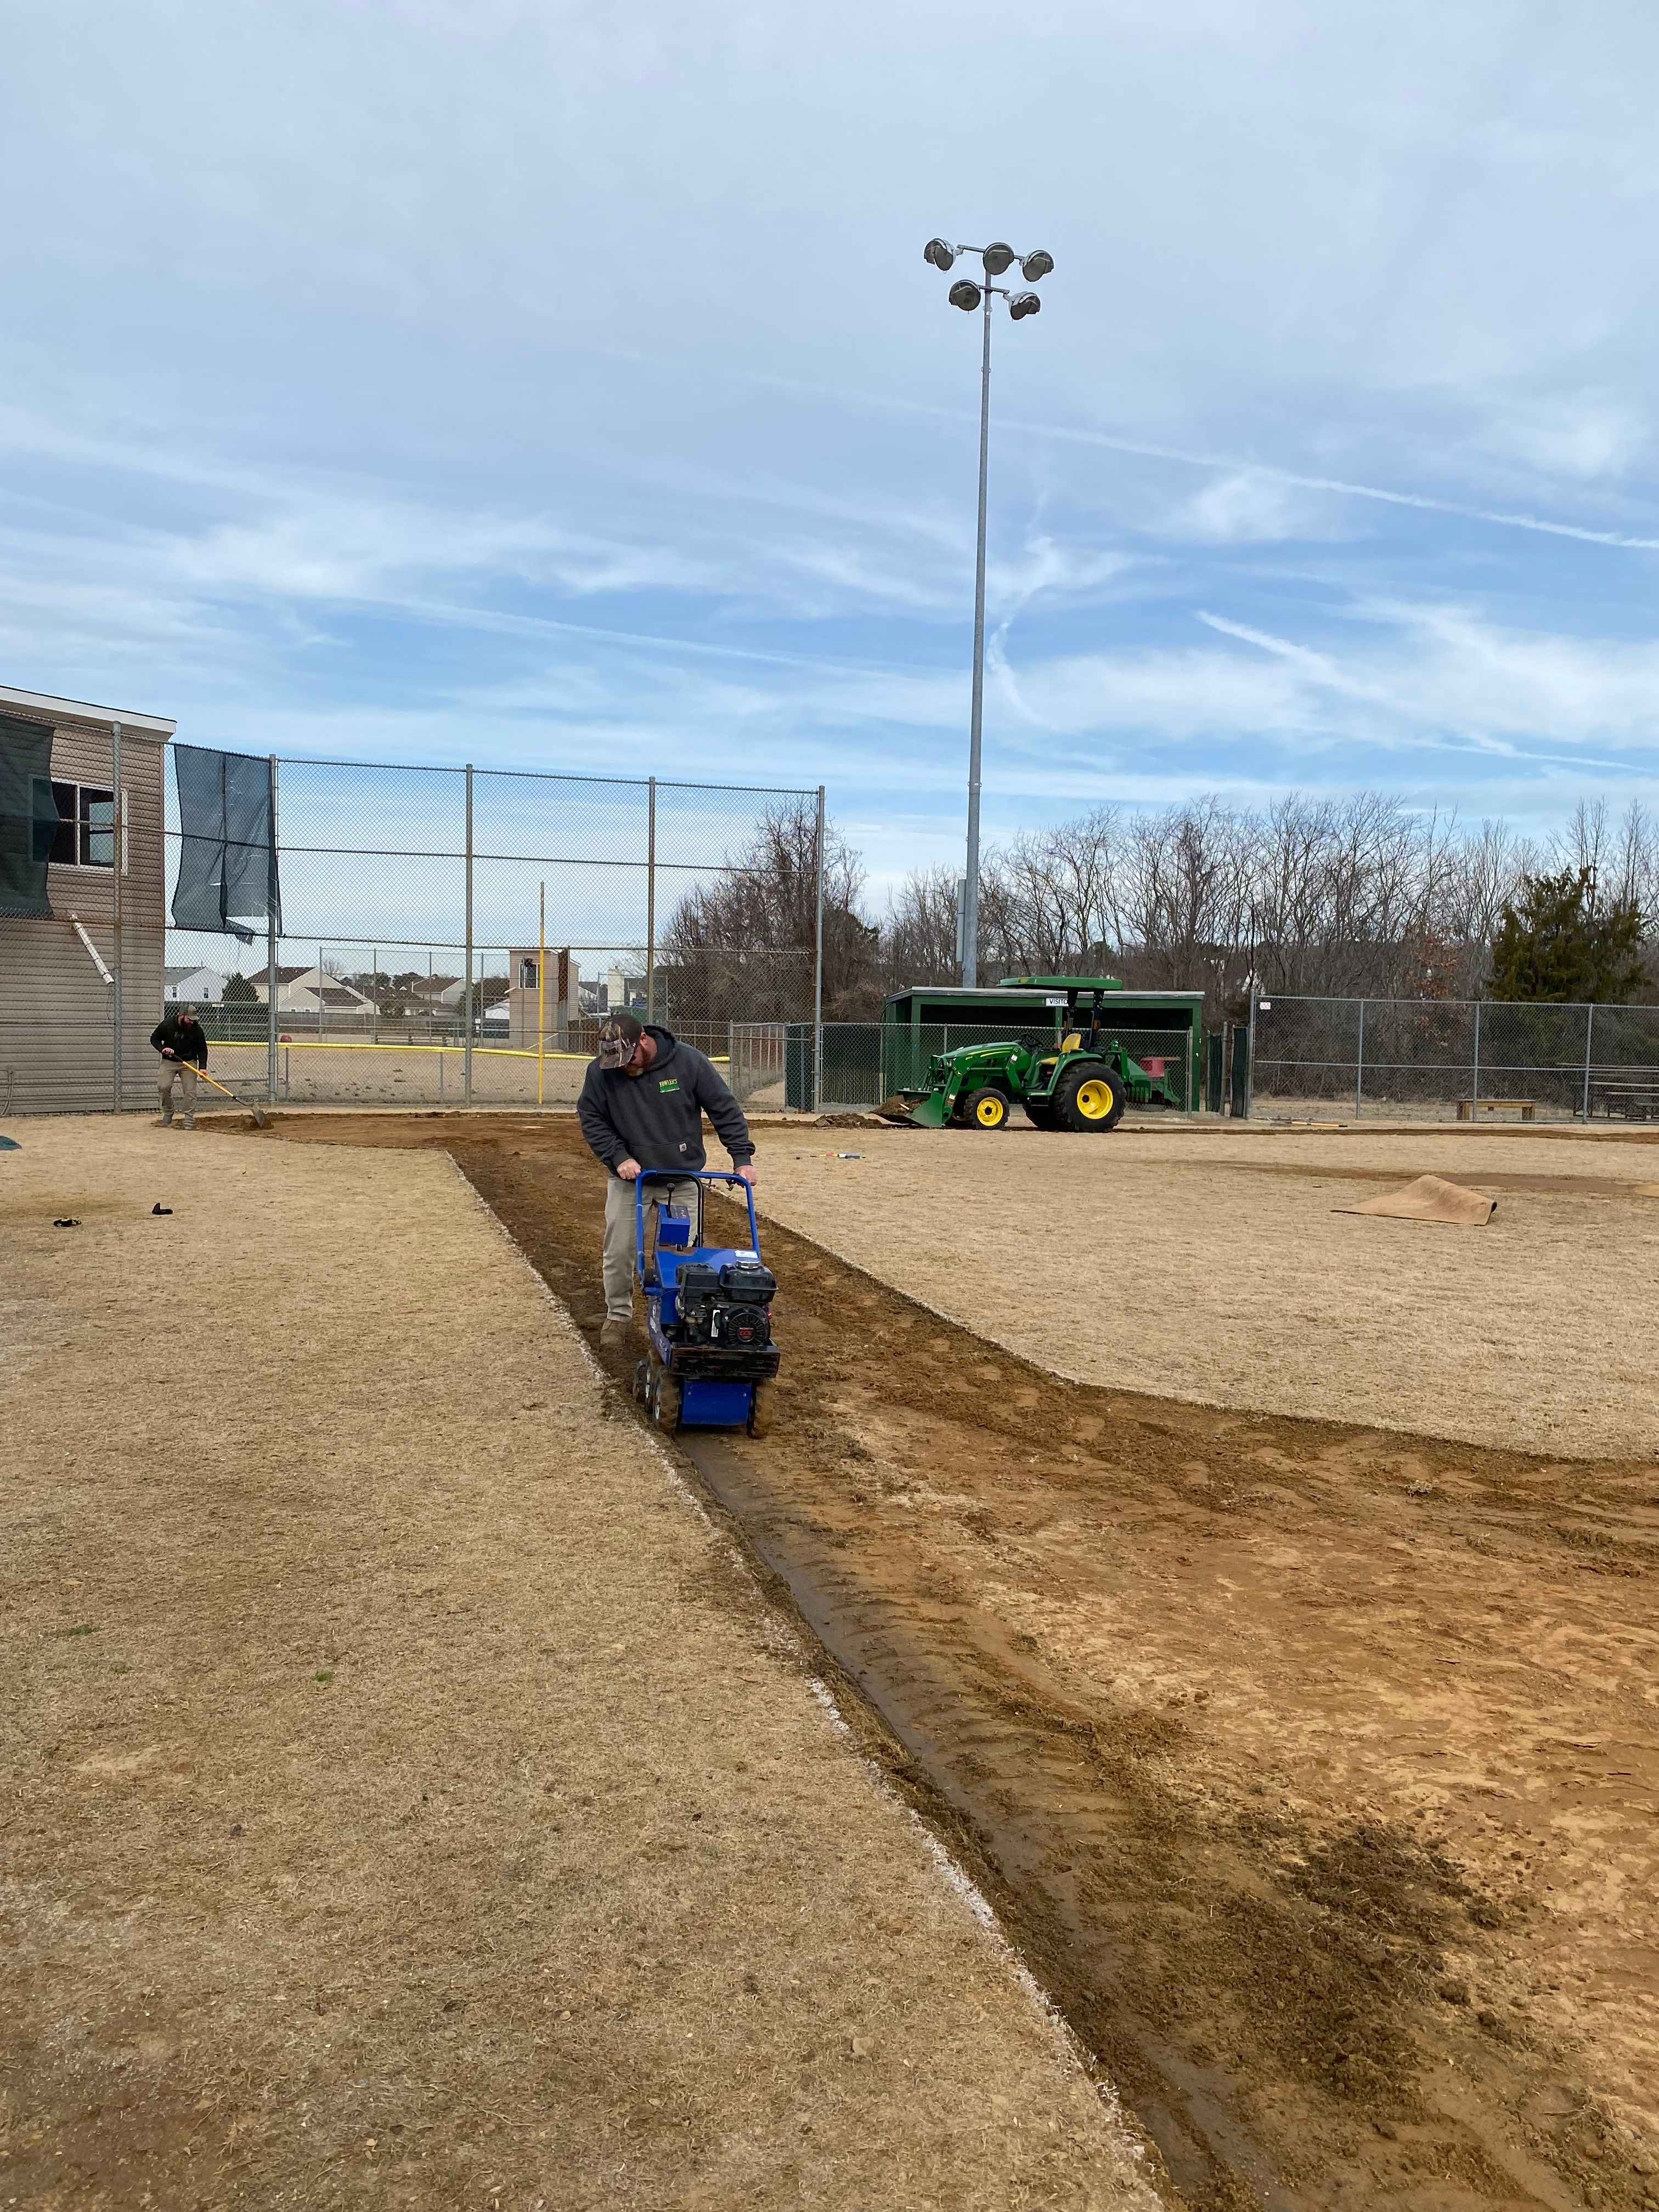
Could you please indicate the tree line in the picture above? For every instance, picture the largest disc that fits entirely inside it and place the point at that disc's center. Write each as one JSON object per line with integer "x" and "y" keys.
{"x": 1365, "y": 895}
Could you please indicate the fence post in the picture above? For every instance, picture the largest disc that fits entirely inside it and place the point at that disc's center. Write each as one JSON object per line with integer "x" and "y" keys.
{"x": 1475, "y": 1101}
{"x": 1360, "y": 1067}
{"x": 271, "y": 952}
{"x": 818, "y": 974}
{"x": 466, "y": 1050}
{"x": 650, "y": 904}
{"x": 1249, "y": 1058}
{"x": 120, "y": 817}
{"x": 1589, "y": 1031}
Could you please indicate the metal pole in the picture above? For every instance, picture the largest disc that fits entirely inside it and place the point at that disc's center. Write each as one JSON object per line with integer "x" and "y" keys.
{"x": 1359, "y": 1065}
{"x": 319, "y": 991}
{"x": 271, "y": 952}
{"x": 1249, "y": 1059}
{"x": 541, "y": 996}
{"x": 970, "y": 896}
{"x": 1475, "y": 1088}
{"x": 374, "y": 994}
{"x": 466, "y": 1060}
{"x": 817, "y": 972}
{"x": 120, "y": 818}
{"x": 1590, "y": 1031}
{"x": 650, "y": 906}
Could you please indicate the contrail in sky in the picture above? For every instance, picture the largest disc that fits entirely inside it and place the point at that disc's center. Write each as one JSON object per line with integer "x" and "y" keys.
{"x": 1230, "y": 463}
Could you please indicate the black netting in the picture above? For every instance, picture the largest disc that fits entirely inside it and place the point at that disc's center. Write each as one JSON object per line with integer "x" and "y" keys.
{"x": 227, "y": 844}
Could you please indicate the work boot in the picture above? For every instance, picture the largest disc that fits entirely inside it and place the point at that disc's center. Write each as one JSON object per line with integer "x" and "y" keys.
{"x": 615, "y": 1334}
{"x": 190, "y": 1121}
{"x": 164, "y": 1121}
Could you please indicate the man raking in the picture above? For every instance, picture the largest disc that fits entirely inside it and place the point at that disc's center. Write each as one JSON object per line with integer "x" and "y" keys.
{"x": 182, "y": 1042}
{"x": 642, "y": 1103}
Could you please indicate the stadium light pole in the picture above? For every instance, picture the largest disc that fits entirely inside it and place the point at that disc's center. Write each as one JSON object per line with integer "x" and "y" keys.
{"x": 997, "y": 259}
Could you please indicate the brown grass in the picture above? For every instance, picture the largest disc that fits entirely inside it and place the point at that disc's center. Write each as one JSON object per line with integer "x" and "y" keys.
{"x": 409, "y": 1799}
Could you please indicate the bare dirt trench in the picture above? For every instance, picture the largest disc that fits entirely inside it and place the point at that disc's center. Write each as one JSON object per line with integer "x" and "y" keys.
{"x": 1311, "y": 1768}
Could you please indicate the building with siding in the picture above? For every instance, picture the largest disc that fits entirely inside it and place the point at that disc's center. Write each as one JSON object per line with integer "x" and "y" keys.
{"x": 58, "y": 1048}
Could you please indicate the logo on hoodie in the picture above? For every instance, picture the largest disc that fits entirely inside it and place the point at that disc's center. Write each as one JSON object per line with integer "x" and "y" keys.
{"x": 669, "y": 1082}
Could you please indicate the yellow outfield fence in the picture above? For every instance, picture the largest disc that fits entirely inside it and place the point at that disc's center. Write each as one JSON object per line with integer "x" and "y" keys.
{"x": 363, "y": 1044}
{"x": 361, "y": 1071}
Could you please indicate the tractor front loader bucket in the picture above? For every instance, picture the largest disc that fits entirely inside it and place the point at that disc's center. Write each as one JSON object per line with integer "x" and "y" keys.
{"x": 931, "y": 1111}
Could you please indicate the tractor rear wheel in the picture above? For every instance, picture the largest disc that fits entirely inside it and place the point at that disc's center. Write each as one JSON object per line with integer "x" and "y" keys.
{"x": 1090, "y": 1096}
{"x": 984, "y": 1109}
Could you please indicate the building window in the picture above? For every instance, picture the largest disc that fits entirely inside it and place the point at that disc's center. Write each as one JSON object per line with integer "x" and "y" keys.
{"x": 528, "y": 975}
{"x": 85, "y": 835}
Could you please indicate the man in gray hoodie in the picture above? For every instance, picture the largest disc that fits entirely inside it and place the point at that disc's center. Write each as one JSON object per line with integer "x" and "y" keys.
{"x": 642, "y": 1103}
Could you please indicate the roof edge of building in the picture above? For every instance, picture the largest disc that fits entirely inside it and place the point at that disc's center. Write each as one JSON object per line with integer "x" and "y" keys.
{"x": 83, "y": 710}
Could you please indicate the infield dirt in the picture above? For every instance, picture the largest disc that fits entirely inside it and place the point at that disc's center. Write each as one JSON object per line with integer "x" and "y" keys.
{"x": 1313, "y": 1765}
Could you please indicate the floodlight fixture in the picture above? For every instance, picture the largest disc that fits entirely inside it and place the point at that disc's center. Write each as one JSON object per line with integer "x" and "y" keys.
{"x": 998, "y": 258}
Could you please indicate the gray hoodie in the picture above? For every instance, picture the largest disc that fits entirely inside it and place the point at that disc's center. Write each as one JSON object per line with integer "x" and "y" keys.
{"x": 657, "y": 1118}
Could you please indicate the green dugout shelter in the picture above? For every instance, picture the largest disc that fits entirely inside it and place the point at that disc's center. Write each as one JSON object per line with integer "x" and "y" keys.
{"x": 1162, "y": 1031}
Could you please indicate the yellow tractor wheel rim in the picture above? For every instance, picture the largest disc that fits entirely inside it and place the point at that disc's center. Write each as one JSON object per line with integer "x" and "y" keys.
{"x": 1095, "y": 1100}
{"x": 989, "y": 1112}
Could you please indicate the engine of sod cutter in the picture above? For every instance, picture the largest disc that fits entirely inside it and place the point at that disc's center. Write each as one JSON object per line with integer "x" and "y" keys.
{"x": 711, "y": 1358}
{"x": 731, "y": 1304}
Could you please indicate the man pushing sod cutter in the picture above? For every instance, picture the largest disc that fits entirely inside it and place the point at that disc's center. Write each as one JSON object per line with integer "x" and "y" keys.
{"x": 642, "y": 1103}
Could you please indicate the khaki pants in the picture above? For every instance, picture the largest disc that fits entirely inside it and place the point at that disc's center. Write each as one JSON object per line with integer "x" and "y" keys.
{"x": 618, "y": 1266}
{"x": 181, "y": 1070}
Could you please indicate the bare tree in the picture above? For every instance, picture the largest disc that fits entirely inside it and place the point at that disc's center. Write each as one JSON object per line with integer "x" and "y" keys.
{"x": 919, "y": 936}
{"x": 742, "y": 941}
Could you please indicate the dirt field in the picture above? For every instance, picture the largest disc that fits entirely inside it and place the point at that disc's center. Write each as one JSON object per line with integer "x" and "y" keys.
{"x": 1315, "y": 1768}
{"x": 408, "y": 1797}
{"x": 1215, "y": 1268}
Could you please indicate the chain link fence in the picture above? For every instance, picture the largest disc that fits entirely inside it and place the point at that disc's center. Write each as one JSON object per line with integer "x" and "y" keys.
{"x": 457, "y": 936}
{"x": 1427, "y": 1060}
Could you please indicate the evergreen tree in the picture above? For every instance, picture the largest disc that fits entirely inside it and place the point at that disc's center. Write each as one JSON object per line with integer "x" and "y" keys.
{"x": 1556, "y": 946}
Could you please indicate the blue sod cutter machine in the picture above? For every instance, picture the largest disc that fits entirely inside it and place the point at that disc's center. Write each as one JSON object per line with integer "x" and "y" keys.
{"x": 710, "y": 1359}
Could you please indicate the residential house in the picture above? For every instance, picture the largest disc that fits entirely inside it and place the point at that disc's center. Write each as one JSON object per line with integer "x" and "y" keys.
{"x": 193, "y": 987}
{"x": 305, "y": 992}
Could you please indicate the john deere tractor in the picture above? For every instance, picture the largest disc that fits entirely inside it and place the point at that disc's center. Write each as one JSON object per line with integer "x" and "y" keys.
{"x": 1081, "y": 1082}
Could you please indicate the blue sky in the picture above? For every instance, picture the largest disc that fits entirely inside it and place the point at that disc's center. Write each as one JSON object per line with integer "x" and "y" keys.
{"x": 564, "y": 387}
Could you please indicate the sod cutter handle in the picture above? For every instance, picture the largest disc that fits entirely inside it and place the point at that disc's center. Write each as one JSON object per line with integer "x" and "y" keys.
{"x": 688, "y": 1175}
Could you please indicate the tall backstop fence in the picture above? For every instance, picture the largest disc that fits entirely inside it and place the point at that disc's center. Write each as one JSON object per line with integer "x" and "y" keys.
{"x": 1435, "y": 1060}
{"x": 351, "y": 931}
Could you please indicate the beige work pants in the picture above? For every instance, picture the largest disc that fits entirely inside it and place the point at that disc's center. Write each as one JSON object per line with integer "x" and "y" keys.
{"x": 618, "y": 1265}
{"x": 181, "y": 1070}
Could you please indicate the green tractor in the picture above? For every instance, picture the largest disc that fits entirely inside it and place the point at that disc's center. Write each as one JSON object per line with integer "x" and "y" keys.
{"x": 1083, "y": 1081}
